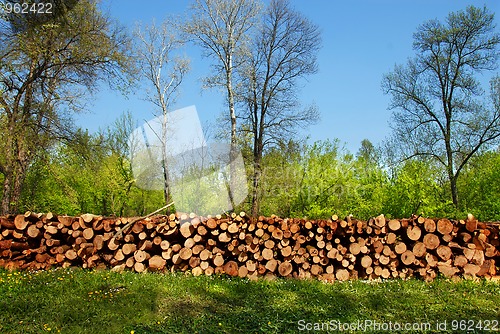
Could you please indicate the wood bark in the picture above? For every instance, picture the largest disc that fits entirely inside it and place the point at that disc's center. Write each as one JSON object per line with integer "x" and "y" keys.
{"x": 240, "y": 245}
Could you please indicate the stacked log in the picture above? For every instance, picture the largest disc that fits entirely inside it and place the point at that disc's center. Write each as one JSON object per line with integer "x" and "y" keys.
{"x": 238, "y": 245}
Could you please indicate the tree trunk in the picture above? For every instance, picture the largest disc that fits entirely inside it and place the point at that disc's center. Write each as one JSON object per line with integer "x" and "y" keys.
{"x": 232, "y": 114}
{"x": 454, "y": 190}
{"x": 6, "y": 195}
{"x": 12, "y": 187}
{"x": 166, "y": 177}
{"x": 17, "y": 153}
{"x": 15, "y": 172}
{"x": 166, "y": 187}
{"x": 8, "y": 170}
{"x": 18, "y": 186}
{"x": 449, "y": 154}
{"x": 258, "y": 148}
{"x": 255, "y": 184}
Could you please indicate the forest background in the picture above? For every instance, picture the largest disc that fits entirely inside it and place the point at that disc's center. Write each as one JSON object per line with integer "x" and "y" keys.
{"x": 440, "y": 158}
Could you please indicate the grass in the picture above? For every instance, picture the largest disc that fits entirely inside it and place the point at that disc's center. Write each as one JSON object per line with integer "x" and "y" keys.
{"x": 83, "y": 301}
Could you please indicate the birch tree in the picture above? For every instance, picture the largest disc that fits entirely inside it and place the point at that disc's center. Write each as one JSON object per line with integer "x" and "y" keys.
{"x": 222, "y": 29}
{"x": 164, "y": 70}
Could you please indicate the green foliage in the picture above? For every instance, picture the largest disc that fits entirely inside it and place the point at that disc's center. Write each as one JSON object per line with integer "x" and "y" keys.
{"x": 415, "y": 188}
{"x": 371, "y": 181}
{"x": 319, "y": 180}
{"x": 480, "y": 185}
{"x": 82, "y": 301}
{"x": 43, "y": 191}
{"x": 281, "y": 179}
{"x": 326, "y": 175}
{"x": 202, "y": 187}
{"x": 66, "y": 171}
{"x": 322, "y": 179}
{"x": 43, "y": 69}
{"x": 92, "y": 175}
{"x": 84, "y": 176}
{"x": 440, "y": 110}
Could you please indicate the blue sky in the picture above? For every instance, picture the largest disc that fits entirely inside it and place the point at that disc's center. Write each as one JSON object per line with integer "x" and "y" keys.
{"x": 362, "y": 40}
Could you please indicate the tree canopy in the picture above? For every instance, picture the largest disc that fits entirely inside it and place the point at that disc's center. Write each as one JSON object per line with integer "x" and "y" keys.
{"x": 45, "y": 72}
{"x": 442, "y": 157}
{"x": 439, "y": 106}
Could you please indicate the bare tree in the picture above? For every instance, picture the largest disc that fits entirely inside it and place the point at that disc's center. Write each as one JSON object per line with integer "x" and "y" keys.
{"x": 284, "y": 50}
{"x": 440, "y": 107}
{"x": 165, "y": 71}
{"x": 221, "y": 28}
{"x": 42, "y": 67}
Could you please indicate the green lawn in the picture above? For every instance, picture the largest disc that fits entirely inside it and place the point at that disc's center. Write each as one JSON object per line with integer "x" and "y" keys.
{"x": 82, "y": 301}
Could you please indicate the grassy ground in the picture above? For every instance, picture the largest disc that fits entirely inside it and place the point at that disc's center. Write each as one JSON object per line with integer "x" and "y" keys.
{"x": 80, "y": 301}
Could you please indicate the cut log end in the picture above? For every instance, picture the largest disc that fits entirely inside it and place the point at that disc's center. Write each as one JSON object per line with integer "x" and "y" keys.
{"x": 285, "y": 268}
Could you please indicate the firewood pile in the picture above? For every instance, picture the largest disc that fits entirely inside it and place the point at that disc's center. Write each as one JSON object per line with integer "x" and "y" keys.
{"x": 237, "y": 245}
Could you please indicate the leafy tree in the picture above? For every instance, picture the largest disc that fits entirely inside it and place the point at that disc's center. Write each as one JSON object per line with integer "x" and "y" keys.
{"x": 368, "y": 154}
{"x": 480, "y": 184}
{"x": 87, "y": 174}
{"x": 118, "y": 142}
{"x": 326, "y": 175}
{"x": 370, "y": 180}
{"x": 41, "y": 69}
{"x": 281, "y": 178}
{"x": 44, "y": 190}
{"x": 68, "y": 178}
{"x": 441, "y": 112}
{"x": 416, "y": 187}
